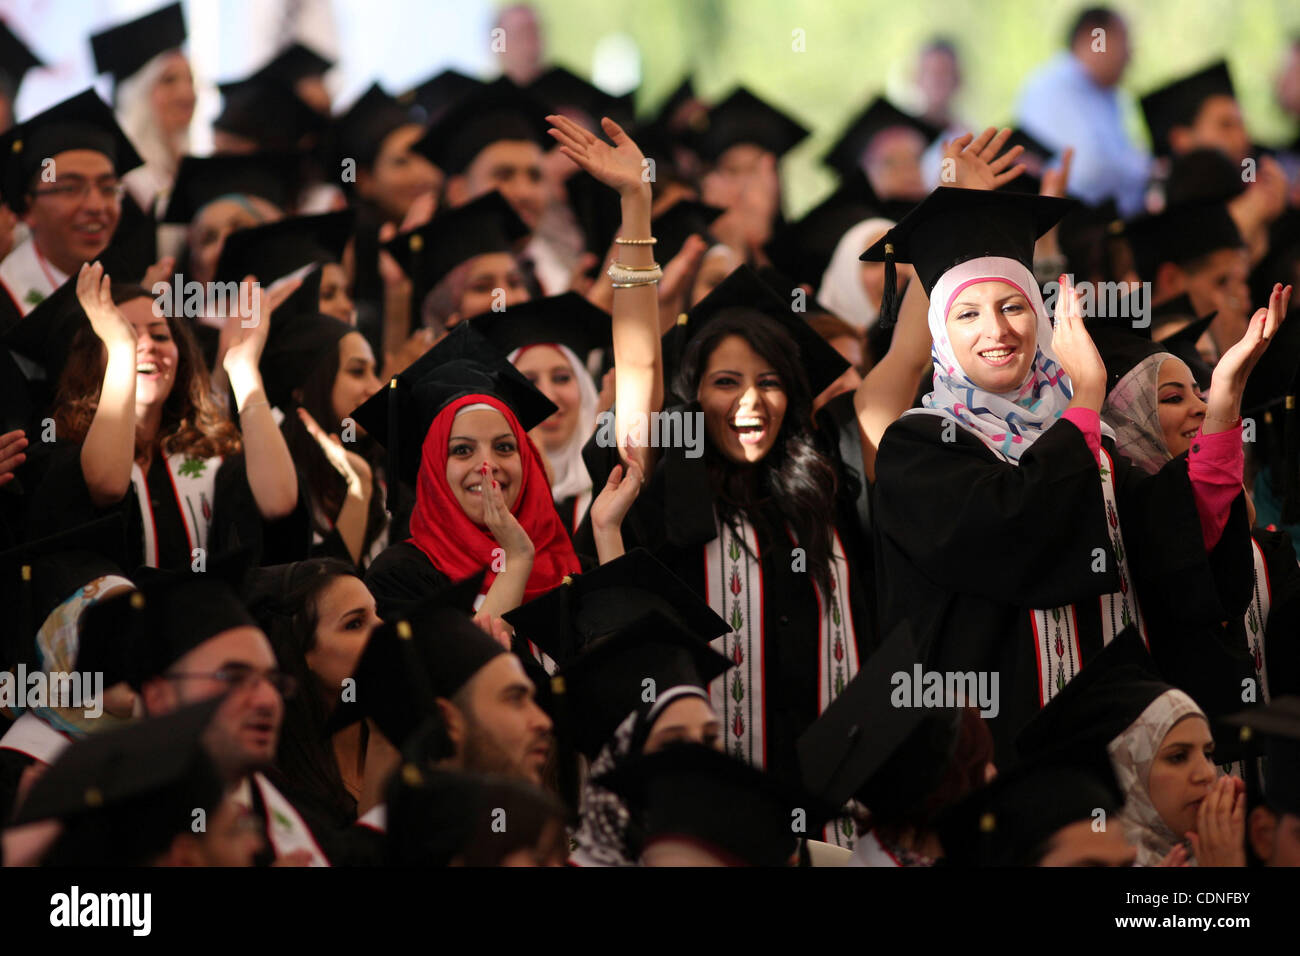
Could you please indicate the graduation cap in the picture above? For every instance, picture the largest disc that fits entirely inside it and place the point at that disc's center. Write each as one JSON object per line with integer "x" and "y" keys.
{"x": 439, "y": 93}
{"x": 601, "y": 601}
{"x": 16, "y": 58}
{"x": 294, "y": 62}
{"x": 1178, "y": 103}
{"x": 295, "y": 346}
{"x": 561, "y": 89}
{"x": 201, "y": 179}
{"x": 124, "y": 49}
{"x": 846, "y": 156}
{"x": 45, "y": 334}
{"x": 137, "y": 636}
{"x": 497, "y": 111}
{"x": 1201, "y": 176}
{"x": 463, "y": 363}
{"x": 1122, "y": 347}
{"x": 696, "y": 793}
{"x": 1010, "y": 821}
{"x": 680, "y": 221}
{"x": 124, "y": 795}
{"x": 1037, "y": 156}
{"x": 134, "y": 246}
{"x": 275, "y": 249}
{"x": 862, "y": 746}
{"x": 1276, "y": 726}
{"x": 953, "y": 225}
{"x": 606, "y": 681}
{"x": 803, "y": 250}
{"x": 426, "y": 254}
{"x": 360, "y": 132}
{"x": 567, "y": 319}
{"x": 682, "y": 94}
{"x": 269, "y": 114}
{"x": 414, "y": 658}
{"x": 597, "y": 210}
{"x": 744, "y": 289}
{"x": 1180, "y": 235}
{"x": 743, "y": 118}
{"x": 83, "y": 121}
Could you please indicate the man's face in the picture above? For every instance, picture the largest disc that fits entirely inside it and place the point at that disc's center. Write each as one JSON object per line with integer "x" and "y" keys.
{"x": 1219, "y": 282}
{"x": 504, "y": 729}
{"x": 1218, "y": 125}
{"x": 71, "y": 229}
{"x": 515, "y": 168}
{"x": 1105, "y": 56}
{"x": 1078, "y": 844}
{"x": 1274, "y": 836}
{"x": 246, "y": 727}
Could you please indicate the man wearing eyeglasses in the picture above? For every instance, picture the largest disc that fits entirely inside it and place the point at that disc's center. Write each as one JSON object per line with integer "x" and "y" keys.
{"x": 61, "y": 172}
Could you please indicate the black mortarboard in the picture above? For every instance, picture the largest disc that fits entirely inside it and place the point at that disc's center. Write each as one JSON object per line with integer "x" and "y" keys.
{"x": 1121, "y": 348}
{"x": 46, "y": 333}
{"x": 953, "y": 225}
{"x": 427, "y": 254}
{"x": 498, "y": 111}
{"x": 1179, "y": 235}
{"x": 295, "y": 346}
{"x": 735, "y": 810}
{"x": 136, "y": 636}
{"x": 293, "y": 63}
{"x": 803, "y": 249}
{"x": 682, "y": 94}
{"x": 597, "y": 210}
{"x": 275, "y": 249}
{"x": 563, "y": 90}
{"x": 123, "y": 795}
{"x": 16, "y": 58}
{"x": 864, "y": 746}
{"x": 680, "y": 221}
{"x": 201, "y": 179}
{"x": 1201, "y": 176}
{"x": 360, "y": 132}
{"x": 134, "y": 246}
{"x": 568, "y": 319}
{"x": 463, "y": 363}
{"x": 83, "y": 121}
{"x": 846, "y": 155}
{"x": 743, "y": 118}
{"x": 744, "y": 289}
{"x": 122, "y": 50}
{"x": 599, "y": 602}
{"x": 1177, "y": 103}
{"x": 439, "y": 93}
{"x": 1037, "y": 156}
{"x": 1010, "y": 821}
{"x": 269, "y": 114}
{"x": 1277, "y": 726}
{"x": 606, "y": 681}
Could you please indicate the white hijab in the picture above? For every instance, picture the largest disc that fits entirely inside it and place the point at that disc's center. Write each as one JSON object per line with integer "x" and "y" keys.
{"x": 841, "y": 288}
{"x": 569, "y": 472}
{"x": 1008, "y": 422}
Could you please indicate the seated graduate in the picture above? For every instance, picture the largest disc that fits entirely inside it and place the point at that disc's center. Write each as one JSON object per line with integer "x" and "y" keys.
{"x": 752, "y": 514}
{"x": 138, "y": 430}
{"x": 185, "y": 637}
{"x": 1156, "y": 410}
{"x": 440, "y": 817}
{"x": 317, "y": 370}
{"x": 153, "y": 94}
{"x": 903, "y": 773}
{"x": 693, "y": 805}
{"x": 48, "y": 585}
{"x": 455, "y": 425}
{"x": 1162, "y": 752}
{"x": 1273, "y": 816}
{"x": 988, "y": 467}
{"x": 73, "y": 219}
{"x": 318, "y": 616}
{"x": 131, "y": 797}
{"x": 549, "y": 340}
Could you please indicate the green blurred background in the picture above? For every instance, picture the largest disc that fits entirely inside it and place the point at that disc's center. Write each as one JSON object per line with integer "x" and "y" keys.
{"x": 856, "y": 48}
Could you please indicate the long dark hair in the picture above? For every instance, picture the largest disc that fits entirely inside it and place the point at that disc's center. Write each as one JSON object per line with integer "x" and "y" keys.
{"x": 287, "y": 610}
{"x": 325, "y": 485}
{"x": 794, "y": 476}
{"x": 192, "y": 423}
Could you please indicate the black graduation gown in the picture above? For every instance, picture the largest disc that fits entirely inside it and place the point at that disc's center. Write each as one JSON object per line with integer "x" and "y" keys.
{"x": 401, "y": 577}
{"x": 673, "y": 519}
{"x": 968, "y": 545}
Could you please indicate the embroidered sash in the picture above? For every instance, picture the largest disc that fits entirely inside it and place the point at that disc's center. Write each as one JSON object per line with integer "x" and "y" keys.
{"x": 34, "y": 737}
{"x": 1257, "y": 619}
{"x": 27, "y": 277}
{"x": 284, "y": 826}
{"x": 193, "y": 482}
{"x": 1056, "y": 631}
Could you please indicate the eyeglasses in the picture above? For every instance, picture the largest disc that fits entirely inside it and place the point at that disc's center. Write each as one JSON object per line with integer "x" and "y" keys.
{"x": 77, "y": 192}
{"x": 239, "y": 677}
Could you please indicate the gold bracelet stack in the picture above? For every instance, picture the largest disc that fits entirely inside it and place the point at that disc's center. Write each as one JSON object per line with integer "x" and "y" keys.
{"x": 630, "y": 277}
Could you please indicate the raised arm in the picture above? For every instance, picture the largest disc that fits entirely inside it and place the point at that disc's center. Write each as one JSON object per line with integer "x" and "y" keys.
{"x": 108, "y": 450}
{"x": 638, "y": 352}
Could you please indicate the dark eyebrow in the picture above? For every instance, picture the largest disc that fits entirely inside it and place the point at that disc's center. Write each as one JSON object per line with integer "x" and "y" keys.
{"x": 1173, "y": 385}
{"x": 504, "y": 435}
{"x": 462, "y": 438}
{"x": 724, "y": 371}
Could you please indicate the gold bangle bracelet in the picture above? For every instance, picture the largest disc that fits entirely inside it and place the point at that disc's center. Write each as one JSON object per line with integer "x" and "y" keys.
{"x": 634, "y": 285}
{"x": 635, "y": 242}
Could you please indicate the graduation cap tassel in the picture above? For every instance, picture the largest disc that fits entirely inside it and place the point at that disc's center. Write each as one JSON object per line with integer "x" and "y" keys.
{"x": 394, "y": 475}
{"x": 889, "y": 298}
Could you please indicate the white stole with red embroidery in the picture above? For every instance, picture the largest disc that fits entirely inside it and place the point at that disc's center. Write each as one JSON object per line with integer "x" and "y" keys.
{"x": 193, "y": 482}
{"x": 1257, "y": 619}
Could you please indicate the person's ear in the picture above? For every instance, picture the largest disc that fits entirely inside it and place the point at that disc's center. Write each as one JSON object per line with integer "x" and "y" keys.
{"x": 159, "y": 697}
{"x": 454, "y": 721}
{"x": 457, "y": 190}
{"x": 1171, "y": 280}
{"x": 1261, "y": 827}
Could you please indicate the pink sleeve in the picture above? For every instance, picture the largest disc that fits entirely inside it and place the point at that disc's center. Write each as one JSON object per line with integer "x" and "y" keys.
{"x": 1214, "y": 465}
{"x": 1088, "y": 422}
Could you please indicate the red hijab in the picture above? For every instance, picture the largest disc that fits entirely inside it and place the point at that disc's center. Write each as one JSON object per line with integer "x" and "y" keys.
{"x": 460, "y": 548}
